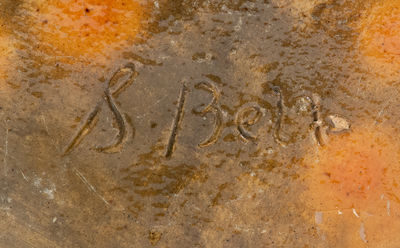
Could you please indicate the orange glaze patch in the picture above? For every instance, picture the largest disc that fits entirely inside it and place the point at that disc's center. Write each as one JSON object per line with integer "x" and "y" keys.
{"x": 83, "y": 27}
{"x": 355, "y": 170}
{"x": 346, "y": 230}
{"x": 353, "y": 186}
{"x": 7, "y": 63}
{"x": 379, "y": 39}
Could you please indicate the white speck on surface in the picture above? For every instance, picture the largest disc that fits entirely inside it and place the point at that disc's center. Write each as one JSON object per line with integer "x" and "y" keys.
{"x": 49, "y": 192}
{"x": 379, "y": 114}
{"x": 318, "y": 218}
{"x": 388, "y": 207}
{"x": 355, "y": 213}
{"x": 45, "y": 124}
{"x": 37, "y": 182}
{"x": 238, "y": 25}
{"x": 54, "y": 219}
{"x": 268, "y": 28}
{"x": 339, "y": 212}
{"x": 270, "y": 151}
{"x": 303, "y": 104}
{"x": 363, "y": 236}
{"x": 5, "y": 208}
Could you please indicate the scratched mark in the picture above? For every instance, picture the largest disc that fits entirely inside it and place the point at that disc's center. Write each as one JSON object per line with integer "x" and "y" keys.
{"x": 23, "y": 175}
{"x": 278, "y": 124}
{"x": 212, "y": 107}
{"x": 90, "y": 187}
{"x": 177, "y": 121}
{"x": 113, "y": 88}
{"x": 6, "y": 149}
{"x": 244, "y": 120}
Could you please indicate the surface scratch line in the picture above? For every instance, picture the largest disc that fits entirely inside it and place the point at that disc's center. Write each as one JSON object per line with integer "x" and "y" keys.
{"x": 5, "y": 152}
{"x": 90, "y": 187}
